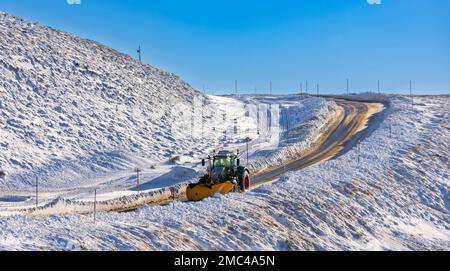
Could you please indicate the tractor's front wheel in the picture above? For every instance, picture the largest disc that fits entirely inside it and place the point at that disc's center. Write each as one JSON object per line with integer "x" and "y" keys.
{"x": 244, "y": 182}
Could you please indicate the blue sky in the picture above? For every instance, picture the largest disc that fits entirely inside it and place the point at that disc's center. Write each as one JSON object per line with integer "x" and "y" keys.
{"x": 214, "y": 43}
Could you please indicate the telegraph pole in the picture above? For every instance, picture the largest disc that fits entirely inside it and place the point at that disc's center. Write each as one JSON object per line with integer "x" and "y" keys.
{"x": 317, "y": 89}
{"x": 270, "y": 88}
{"x": 192, "y": 119}
{"x": 410, "y": 93}
{"x": 347, "y": 87}
{"x": 203, "y": 116}
{"x": 139, "y": 53}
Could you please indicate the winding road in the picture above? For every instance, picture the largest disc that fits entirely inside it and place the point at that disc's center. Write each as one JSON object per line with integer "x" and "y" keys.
{"x": 342, "y": 137}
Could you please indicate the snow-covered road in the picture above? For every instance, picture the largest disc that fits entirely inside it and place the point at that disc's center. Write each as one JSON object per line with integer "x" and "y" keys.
{"x": 339, "y": 137}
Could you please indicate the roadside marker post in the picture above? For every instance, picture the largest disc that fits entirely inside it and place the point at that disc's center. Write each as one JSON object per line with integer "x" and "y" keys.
{"x": 137, "y": 177}
{"x": 359, "y": 148}
{"x": 95, "y": 203}
{"x": 288, "y": 121}
{"x": 37, "y": 191}
{"x": 247, "y": 149}
{"x": 172, "y": 196}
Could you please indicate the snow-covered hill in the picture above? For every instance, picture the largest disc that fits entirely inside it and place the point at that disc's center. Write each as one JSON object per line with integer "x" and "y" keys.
{"x": 397, "y": 197}
{"x": 72, "y": 109}
{"x": 72, "y": 103}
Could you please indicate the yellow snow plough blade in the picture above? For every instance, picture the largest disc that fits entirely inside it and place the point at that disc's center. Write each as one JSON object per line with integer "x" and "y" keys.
{"x": 198, "y": 192}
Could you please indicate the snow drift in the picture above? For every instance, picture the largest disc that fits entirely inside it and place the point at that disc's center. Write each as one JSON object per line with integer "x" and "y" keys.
{"x": 304, "y": 126}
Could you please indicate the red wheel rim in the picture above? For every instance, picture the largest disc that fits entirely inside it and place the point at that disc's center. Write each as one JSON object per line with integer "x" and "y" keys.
{"x": 246, "y": 183}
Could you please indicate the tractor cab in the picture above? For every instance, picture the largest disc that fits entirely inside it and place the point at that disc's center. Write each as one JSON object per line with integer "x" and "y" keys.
{"x": 224, "y": 166}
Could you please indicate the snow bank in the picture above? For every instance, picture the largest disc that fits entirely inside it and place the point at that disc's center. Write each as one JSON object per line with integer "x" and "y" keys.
{"x": 61, "y": 206}
{"x": 304, "y": 126}
{"x": 364, "y": 97}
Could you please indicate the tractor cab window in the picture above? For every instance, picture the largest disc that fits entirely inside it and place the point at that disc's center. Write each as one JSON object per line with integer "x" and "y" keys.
{"x": 223, "y": 162}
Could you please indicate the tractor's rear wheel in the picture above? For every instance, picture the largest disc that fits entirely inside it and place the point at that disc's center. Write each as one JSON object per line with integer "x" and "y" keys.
{"x": 244, "y": 182}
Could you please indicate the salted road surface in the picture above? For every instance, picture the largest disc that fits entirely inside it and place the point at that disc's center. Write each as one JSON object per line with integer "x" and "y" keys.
{"x": 357, "y": 117}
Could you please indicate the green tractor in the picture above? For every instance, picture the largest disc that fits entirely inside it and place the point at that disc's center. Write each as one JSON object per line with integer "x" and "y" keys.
{"x": 225, "y": 175}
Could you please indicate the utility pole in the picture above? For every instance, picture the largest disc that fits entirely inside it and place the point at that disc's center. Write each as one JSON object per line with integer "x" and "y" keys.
{"x": 192, "y": 120}
{"x": 347, "y": 87}
{"x": 270, "y": 88}
{"x": 203, "y": 117}
{"x": 317, "y": 89}
{"x": 301, "y": 88}
{"x": 139, "y": 53}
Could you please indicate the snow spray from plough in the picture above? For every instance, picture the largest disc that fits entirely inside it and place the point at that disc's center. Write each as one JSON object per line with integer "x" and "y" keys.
{"x": 225, "y": 175}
